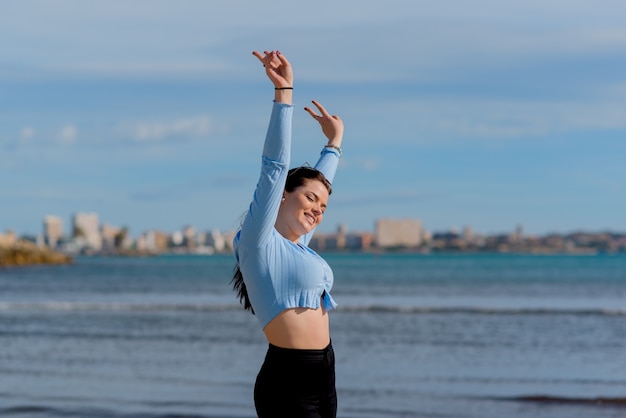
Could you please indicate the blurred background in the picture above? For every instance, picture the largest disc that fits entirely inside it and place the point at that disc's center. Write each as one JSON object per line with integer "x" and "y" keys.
{"x": 152, "y": 113}
{"x": 487, "y": 136}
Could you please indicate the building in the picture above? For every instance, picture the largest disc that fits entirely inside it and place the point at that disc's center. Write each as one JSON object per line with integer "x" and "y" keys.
{"x": 86, "y": 228}
{"x": 229, "y": 236}
{"x": 189, "y": 237}
{"x": 215, "y": 239}
{"x": 152, "y": 241}
{"x": 52, "y": 230}
{"x": 359, "y": 241}
{"x": 115, "y": 238}
{"x": 398, "y": 233}
{"x": 342, "y": 240}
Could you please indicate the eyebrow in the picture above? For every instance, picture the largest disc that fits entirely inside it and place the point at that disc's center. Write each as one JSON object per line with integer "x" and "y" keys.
{"x": 318, "y": 198}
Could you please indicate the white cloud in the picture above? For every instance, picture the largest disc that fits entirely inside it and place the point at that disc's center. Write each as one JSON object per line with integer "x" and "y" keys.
{"x": 68, "y": 134}
{"x": 362, "y": 42}
{"x": 502, "y": 119}
{"x": 158, "y": 131}
{"x": 146, "y": 66}
{"x": 50, "y": 193}
{"x": 27, "y": 133}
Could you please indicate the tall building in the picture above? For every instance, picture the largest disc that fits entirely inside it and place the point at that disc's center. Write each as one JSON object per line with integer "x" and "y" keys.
{"x": 109, "y": 235}
{"x": 52, "y": 230}
{"x": 86, "y": 226}
{"x": 468, "y": 234}
{"x": 518, "y": 234}
{"x": 398, "y": 233}
{"x": 215, "y": 239}
{"x": 189, "y": 236}
{"x": 152, "y": 241}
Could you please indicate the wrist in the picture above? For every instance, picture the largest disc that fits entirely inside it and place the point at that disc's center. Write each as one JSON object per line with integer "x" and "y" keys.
{"x": 334, "y": 141}
{"x": 335, "y": 147}
{"x": 283, "y": 96}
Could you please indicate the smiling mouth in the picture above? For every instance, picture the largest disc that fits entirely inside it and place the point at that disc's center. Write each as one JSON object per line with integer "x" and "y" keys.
{"x": 310, "y": 218}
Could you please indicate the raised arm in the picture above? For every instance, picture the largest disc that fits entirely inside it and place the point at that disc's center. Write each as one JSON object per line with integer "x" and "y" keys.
{"x": 332, "y": 128}
{"x": 261, "y": 217}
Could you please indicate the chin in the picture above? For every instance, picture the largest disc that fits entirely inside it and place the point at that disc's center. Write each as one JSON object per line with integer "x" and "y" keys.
{"x": 308, "y": 228}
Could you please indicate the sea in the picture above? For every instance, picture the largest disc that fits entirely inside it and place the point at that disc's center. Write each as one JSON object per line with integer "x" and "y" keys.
{"x": 415, "y": 335}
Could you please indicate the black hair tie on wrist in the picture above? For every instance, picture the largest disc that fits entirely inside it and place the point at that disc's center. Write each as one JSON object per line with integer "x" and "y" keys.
{"x": 283, "y": 88}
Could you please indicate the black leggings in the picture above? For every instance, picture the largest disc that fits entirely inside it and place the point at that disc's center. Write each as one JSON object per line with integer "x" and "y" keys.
{"x": 296, "y": 384}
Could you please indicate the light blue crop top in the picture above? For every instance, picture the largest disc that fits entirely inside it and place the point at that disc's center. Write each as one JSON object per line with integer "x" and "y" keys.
{"x": 278, "y": 273}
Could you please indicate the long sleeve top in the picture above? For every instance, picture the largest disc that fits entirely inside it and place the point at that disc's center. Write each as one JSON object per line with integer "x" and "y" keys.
{"x": 280, "y": 274}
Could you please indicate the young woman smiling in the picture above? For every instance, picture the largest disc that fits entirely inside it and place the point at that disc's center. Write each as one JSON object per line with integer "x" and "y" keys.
{"x": 282, "y": 281}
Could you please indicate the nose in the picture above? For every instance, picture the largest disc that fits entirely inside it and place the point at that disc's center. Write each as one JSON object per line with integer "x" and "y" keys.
{"x": 317, "y": 210}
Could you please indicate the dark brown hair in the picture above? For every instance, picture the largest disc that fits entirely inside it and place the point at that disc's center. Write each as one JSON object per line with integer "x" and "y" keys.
{"x": 296, "y": 177}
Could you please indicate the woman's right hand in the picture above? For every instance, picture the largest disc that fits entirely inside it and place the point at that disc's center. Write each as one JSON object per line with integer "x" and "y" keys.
{"x": 277, "y": 68}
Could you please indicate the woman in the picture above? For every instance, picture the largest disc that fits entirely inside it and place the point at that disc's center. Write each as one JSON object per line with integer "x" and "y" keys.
{"x": 283, "y": 282}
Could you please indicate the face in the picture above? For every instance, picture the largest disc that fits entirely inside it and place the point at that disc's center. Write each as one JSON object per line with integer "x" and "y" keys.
{"x": 302, "y": 209}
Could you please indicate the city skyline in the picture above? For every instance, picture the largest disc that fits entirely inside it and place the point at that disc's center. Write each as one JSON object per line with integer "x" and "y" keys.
{"x": 152, "y": 114}
{"x": 91, "y": 237}
{"x": 65, "y": 227}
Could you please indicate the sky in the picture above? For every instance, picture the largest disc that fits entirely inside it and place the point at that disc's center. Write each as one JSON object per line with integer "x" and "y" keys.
{"x": 476, "y": 113}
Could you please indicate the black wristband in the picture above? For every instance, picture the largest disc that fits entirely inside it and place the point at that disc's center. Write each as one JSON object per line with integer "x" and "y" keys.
{"x": 283, "y": 88}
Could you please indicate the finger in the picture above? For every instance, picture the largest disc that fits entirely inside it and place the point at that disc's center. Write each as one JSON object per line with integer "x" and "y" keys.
{"x": 282, "y": 58}
{"x": 312, "y": 113}
{"x": 265, "y": 59}
{"x": 261, "y": 58}
{"x": 275, "y": 59}
{"x": 270, "y": 61}
{"x": 258, "y": 55}
{"x": 321, "y": 109}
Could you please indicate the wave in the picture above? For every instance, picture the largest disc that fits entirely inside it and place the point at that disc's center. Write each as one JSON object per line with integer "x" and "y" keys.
{"x": 475, "y": 310}
{"x": 45, "y": 411}
{"x": 47, "y": 306}
{"x": 26, "y": 409}
{"x": 112, "y": 306}
{"x": 567, "y": 400}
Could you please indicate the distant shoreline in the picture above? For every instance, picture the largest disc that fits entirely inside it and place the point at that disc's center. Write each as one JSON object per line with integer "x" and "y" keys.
{"x": 24, "y": 253}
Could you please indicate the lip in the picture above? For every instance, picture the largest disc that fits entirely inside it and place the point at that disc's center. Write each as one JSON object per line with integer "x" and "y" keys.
{"x": 310, "y": 218}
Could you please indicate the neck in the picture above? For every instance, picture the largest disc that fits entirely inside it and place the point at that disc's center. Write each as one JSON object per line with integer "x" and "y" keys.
{"x": 286, "y": 232}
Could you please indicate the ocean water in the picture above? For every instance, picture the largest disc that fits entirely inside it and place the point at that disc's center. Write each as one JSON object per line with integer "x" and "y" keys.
{"x": 432, "y": 336}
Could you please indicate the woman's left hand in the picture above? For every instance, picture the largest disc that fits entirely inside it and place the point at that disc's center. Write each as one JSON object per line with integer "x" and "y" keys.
{"x": 332, "y": 125}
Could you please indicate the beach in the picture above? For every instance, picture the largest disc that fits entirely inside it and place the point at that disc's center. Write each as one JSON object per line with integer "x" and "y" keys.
{"x": 470, "y": 335}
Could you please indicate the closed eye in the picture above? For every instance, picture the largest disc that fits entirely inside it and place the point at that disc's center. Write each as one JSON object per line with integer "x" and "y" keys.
{"x": 314, "y": 198}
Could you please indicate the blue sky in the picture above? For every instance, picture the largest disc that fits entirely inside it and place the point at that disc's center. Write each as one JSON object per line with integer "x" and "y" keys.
{"x": 153, "y": 113}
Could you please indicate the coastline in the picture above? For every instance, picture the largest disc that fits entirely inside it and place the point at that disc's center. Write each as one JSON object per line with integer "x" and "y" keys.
{"x": 23, "y": 253}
